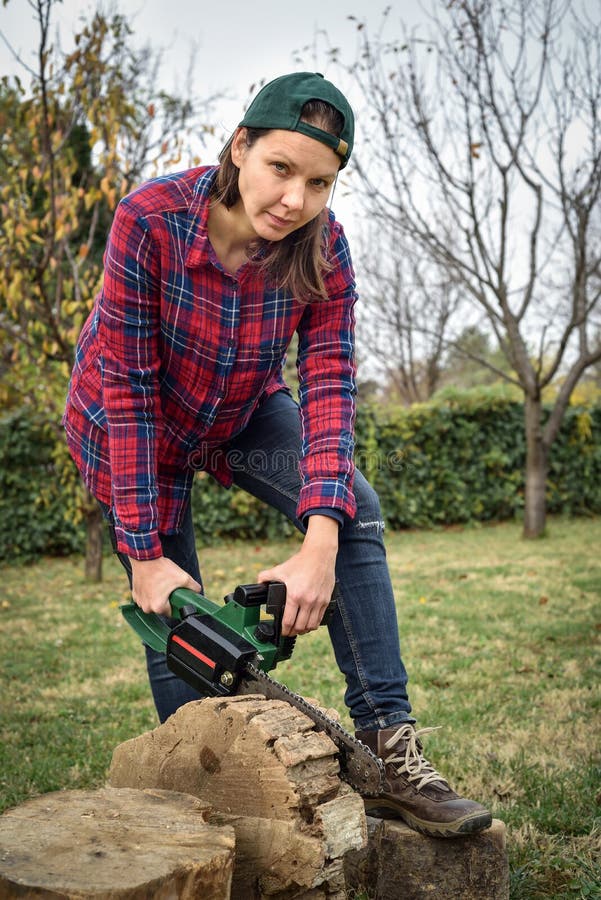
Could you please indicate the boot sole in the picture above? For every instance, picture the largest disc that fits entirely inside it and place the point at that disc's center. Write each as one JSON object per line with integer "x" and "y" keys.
{"x": 459, "y": 828}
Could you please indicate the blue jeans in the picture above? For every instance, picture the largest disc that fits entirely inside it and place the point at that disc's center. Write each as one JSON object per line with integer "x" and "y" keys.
{"x": 364, "y": 629}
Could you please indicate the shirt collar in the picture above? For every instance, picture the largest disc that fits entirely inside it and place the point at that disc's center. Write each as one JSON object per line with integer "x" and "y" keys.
{"x": 197, "y": 242}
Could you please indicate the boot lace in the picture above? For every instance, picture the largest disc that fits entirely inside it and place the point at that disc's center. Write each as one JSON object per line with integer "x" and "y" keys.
{"x": 409, "y": 760}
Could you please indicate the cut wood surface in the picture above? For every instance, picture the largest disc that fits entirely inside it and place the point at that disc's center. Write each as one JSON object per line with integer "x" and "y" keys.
{"x": 114, "y": 844}
{"x": 265, "y": 770}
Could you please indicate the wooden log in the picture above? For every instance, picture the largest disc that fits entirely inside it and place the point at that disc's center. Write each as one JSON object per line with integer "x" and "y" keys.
{"x": 114, "y": 844}
{"x": 399, "y": 862}
{"x": 265, "y": 770}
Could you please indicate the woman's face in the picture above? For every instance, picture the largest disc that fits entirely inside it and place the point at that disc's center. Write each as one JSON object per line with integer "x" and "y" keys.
{"x": 285, "y": 181}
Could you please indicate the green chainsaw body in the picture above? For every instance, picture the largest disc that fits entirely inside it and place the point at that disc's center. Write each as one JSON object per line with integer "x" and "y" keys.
{"x": 243, "y": 620}
{"x": 210, "y": 645}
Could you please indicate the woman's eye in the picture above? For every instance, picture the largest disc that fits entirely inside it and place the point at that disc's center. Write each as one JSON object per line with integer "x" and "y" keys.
{"x": 319, "y": 182}
{"x": 279, "y": 167}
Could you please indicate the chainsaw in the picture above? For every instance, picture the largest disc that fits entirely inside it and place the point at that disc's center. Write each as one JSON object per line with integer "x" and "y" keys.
{"x": 228, "y": 649}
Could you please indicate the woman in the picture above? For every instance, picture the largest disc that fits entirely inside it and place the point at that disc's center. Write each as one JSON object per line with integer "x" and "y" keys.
{"x": 208, "y": 274}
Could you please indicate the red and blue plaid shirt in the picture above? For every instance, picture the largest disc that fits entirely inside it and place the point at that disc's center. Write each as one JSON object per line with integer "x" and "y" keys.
{"x": 177, "y": 353}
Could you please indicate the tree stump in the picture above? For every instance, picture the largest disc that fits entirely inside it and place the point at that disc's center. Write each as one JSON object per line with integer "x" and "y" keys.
{"x": 400, "y": 863}
{"x": 265, "y": 770}
{"x": 114, "y": 845}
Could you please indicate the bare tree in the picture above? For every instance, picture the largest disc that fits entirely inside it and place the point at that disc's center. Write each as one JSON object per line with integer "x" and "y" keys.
{"x": 490, "y": 127}
{"x": 473, "y": 360}
{"x": 406, "y": 318}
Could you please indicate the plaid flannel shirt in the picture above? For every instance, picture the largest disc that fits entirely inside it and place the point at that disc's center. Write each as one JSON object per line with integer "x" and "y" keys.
{"x": 177, "y": 353}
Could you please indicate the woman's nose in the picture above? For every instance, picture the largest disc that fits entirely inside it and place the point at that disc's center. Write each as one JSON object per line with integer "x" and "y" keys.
{"x": 294, "y": 197}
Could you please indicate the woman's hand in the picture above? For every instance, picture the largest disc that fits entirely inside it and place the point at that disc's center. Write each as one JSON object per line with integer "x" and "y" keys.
{"x": 153, "y": 580}
{"x": 309, "y": 577}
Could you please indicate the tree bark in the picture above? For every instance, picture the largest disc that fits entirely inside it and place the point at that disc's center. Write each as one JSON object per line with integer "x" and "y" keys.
{"x": 94, "y": 529}
{"x": 535, "y": 512}
{"x": 400, "y": 863}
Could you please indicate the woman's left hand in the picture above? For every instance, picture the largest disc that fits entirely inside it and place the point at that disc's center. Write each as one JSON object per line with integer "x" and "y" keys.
{"x": 309, "y": 577}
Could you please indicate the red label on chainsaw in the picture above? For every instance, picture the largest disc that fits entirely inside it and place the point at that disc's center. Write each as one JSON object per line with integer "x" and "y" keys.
{"x": 201, "y": 656}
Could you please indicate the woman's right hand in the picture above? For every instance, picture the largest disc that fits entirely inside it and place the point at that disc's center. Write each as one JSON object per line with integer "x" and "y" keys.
{"x": 153, "y": 581}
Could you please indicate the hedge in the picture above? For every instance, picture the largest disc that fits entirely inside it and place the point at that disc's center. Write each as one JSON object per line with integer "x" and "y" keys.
{"x": 456, "y": 460}
{"x": 32, "y": 509}
{"x": 462, "y": 459}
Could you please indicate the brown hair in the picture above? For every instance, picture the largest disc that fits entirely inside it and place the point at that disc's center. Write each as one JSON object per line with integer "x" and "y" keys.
{"x": 298, "y": 262}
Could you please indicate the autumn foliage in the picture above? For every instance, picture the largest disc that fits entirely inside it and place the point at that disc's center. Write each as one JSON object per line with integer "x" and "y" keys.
{"x": 90, "y": 124}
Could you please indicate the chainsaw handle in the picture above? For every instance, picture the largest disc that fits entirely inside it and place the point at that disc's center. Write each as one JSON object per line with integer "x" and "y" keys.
{"x": 272, "y": 594}
{"x": 257, "y": 594}
{"x": 152, "y": 629}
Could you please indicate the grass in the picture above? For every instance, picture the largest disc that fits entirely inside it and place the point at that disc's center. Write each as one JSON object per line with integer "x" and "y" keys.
{"x": 500, "y": 636}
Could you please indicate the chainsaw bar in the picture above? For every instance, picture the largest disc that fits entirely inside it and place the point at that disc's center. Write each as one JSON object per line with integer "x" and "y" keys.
{"x": 361, "y": 768}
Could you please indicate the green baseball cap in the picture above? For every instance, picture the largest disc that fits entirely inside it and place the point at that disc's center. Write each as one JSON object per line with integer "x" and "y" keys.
{"x": 279, "y": 104}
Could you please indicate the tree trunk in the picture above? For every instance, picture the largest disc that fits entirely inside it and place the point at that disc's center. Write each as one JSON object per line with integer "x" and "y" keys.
{"x": 94, "y": 530}
{"x": 535, "y": 513}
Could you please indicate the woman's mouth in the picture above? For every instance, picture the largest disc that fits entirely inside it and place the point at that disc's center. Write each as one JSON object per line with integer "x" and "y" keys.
{"x": 279, "y": 222}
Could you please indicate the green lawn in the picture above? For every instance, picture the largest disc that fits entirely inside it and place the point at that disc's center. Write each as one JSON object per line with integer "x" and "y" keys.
{"x": 500, "y": 636}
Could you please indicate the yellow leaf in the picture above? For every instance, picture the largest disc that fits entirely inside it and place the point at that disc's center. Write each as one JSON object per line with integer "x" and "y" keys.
{"x": 583, "y": 426}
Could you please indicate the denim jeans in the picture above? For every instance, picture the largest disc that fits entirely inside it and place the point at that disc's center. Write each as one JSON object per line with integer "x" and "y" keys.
{"x": 363, "y": 630}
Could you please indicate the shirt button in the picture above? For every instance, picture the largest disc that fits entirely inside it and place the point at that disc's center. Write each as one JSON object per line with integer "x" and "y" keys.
{"x": 231, "y": 342}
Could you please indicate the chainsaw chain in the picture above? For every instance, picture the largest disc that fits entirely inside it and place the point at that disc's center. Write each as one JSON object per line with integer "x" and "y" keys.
{"x": 361, "y": 768}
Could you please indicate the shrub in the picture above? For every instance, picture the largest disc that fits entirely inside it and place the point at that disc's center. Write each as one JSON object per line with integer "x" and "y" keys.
{"x": 32, "y": 509}
{"x": 457, "y": 459}
{"x": 461, "y": 458}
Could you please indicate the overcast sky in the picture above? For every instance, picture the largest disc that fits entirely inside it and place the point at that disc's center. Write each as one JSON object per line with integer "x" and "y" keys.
{"x": 237, "y": 43}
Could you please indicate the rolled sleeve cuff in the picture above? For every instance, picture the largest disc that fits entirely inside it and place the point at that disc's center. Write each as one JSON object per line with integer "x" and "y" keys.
{"x": 326, "y": 511}
{"x": 138, "y": 544}
{"x": 326, "y": 494}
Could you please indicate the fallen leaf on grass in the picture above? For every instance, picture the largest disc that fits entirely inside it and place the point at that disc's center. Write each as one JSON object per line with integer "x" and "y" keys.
{"x": 542, "y": 601}
{"x": 504, "y": 790}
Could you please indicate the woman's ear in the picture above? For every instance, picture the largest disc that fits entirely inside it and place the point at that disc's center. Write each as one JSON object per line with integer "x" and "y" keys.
{"x": 239, "y": 146}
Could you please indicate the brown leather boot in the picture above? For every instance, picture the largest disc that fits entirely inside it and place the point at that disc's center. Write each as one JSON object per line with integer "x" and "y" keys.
{"x": 414, "y": 791}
